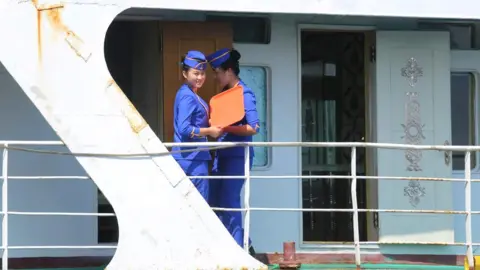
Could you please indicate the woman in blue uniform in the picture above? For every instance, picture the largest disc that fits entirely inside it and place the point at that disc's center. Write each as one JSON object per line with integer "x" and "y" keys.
{"x": 226, "y": 193}
{"x": 190, "y": 122}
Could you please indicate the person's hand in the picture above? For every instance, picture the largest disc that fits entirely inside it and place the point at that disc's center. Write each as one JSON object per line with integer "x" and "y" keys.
{"x": 215, "y": 132}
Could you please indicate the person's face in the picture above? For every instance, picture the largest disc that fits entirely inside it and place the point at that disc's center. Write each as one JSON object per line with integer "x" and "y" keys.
{"x": 194, "y": 77}
{"x": 223, "y": 77}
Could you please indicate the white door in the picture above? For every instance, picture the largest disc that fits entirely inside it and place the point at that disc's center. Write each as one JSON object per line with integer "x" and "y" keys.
{"x": 413, "y": 107}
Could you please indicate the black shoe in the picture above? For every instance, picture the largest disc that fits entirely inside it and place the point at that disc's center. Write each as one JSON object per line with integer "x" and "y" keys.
{"x": 251, "y": 251}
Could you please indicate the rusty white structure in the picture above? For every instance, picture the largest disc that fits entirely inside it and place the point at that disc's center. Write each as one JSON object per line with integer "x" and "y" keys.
{"x": 54, "y": 51}
{"x": 51, "y": 44}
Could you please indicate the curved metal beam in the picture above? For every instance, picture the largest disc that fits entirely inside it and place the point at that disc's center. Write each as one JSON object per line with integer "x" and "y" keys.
{"x": 55, "y": 53}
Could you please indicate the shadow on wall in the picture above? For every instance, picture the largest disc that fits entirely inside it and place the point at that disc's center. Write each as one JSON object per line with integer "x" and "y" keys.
{"x": 21, "y": 120}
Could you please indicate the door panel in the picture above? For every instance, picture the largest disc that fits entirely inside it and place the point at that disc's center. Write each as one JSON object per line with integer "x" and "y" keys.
{"x": 178, "y": 38}
{"x": 413, "y": 99}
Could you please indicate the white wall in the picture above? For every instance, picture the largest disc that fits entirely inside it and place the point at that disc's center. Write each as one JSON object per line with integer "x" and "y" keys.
{"x": 270, "y": 229}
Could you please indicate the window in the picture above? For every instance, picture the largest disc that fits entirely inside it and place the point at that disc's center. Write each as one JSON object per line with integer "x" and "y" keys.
{"x": 462, "y": 35}
{"x": 246, "y": 29}
{"x": 256, "y": 78}
{"x": 463, "y": 106}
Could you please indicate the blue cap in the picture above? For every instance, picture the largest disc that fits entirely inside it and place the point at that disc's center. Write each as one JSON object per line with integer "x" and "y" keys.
{"x": 195, "y": 60}
{"x": 219, "y": 57}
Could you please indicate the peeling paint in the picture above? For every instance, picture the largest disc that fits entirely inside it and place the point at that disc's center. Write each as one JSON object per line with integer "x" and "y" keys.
{"x": 78, "y": 46}
{"x": 53, "y": 15}
{"x": 137, "y": 122}
{"x": 48, "y": 106}
{"x": 63, "y": 88}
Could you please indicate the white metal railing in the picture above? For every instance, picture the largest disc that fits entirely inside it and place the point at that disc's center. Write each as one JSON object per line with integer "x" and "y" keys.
{"x": 23, "y": 146}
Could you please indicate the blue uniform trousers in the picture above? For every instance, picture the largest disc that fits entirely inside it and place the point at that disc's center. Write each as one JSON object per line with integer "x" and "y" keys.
{"x": 226, "y": 193}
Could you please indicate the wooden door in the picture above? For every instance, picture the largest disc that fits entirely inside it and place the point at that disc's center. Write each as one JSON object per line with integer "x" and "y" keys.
{"x": 178, "y": 39}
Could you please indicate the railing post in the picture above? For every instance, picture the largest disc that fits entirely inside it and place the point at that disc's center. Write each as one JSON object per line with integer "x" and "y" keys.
{"x": 246, "y": 203}
{"x": 468, "y": 209}
{"x": 353, "y": 186}
{"x": 5, "y": 208}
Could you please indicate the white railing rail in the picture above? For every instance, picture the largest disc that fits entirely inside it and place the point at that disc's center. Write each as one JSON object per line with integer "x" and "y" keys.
{"x": 23, "y": 146}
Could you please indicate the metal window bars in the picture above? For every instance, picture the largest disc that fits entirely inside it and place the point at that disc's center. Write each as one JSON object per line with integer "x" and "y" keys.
{"x": 10, "y": 146}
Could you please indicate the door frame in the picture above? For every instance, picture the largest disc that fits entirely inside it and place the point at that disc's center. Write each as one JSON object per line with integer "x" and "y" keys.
{"x": 464, "y": 61}
{"x": 159, "y": 96}
{"x": 370, "y": 159}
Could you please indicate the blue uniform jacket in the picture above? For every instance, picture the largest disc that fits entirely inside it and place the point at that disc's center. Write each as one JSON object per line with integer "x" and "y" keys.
{"x": 251, "y": 118}
{"x": 190, "y": 114}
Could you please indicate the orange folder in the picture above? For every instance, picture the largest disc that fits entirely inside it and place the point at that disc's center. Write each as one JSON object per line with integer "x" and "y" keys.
{"x": 227, "y": 108}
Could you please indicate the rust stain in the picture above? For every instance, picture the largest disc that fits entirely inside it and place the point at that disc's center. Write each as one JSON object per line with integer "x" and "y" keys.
{"x": 53, "y": 13}
{"x": 39, "y": 31}
{"x": 135, "y": 119}
{"x": 55, "y": 19}
{"x": 39, "y": 36}
{"x": 47, "y": 7}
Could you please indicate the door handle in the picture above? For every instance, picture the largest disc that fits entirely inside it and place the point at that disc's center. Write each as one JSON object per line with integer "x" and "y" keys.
{"x": 447, "y": 155}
